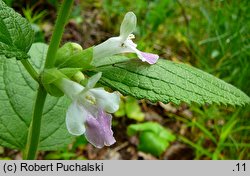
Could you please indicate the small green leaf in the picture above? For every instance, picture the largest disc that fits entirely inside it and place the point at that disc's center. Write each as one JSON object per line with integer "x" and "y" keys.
{"x": 18, "y": 92}
{"x": 69, "y": 72}
{"x": 133, "y": 110}
{"x": 48, "y": 77}
{"x": 121, "y": 111}
{"x": 16, "y": 34}
{"x": 70, "y": 59}
{"x": 71, "y": 55}
{"x": 151, "y": 127}
{"x": 167, "y": 81}
{"x": 129, "y": 107}
{"x": 152, "y": 143}
{"x": 153, "y": 137}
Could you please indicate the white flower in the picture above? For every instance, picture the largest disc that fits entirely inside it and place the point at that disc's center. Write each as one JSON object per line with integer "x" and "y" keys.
{"x": 87, "y": 112}
{"x": 123, "y": 43}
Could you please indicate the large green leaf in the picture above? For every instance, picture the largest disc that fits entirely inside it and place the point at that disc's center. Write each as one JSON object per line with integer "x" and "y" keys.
{"x": 16, "y": 34}
{"x": 17, "y": 95}
{"x": 167, "y": 81}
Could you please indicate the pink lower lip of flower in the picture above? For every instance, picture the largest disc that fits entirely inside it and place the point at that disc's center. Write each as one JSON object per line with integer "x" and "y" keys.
{"x": 149, "y": 57}
{"x": 98, "y": 130}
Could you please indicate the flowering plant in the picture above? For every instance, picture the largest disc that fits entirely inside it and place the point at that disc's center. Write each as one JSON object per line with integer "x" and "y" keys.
{"x": 88, "y": 79}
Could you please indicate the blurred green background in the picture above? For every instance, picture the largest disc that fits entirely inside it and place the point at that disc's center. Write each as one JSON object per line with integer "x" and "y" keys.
{"x": 213, "y": 35}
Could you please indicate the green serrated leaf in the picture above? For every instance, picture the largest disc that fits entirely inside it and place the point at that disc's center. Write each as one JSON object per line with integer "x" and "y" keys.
{"x": 167, "y": 81}
{"x": 16, "y": 34}
{"x": 17, "y": 92}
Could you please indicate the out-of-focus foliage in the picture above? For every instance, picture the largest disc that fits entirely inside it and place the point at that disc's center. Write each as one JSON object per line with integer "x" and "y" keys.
{"x": 36, "y": 19}
{"x": 8, "y": 2}
{"x": 129, "y": 107}
{"x": 153, "y": 137}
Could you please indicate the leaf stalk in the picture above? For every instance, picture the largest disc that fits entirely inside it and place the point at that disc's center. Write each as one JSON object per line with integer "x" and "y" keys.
{"x": 30, "y": 69}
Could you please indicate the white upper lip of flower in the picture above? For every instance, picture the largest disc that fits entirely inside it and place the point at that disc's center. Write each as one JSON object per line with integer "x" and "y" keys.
{"x": 123, "y": 43}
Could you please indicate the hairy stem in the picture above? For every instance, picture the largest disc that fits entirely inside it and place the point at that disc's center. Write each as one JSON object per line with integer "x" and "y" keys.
{"x": 35, "y": 127}
{"x": 57, "y": 33}
{"x": 30, "y": 69}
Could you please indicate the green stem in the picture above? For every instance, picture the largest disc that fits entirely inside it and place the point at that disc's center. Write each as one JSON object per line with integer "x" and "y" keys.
{"x": 34, "y": 131}
{"x": 57, "y": 34}
{"x": 35, "y": 127}
{"x": 30, "y": 69}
